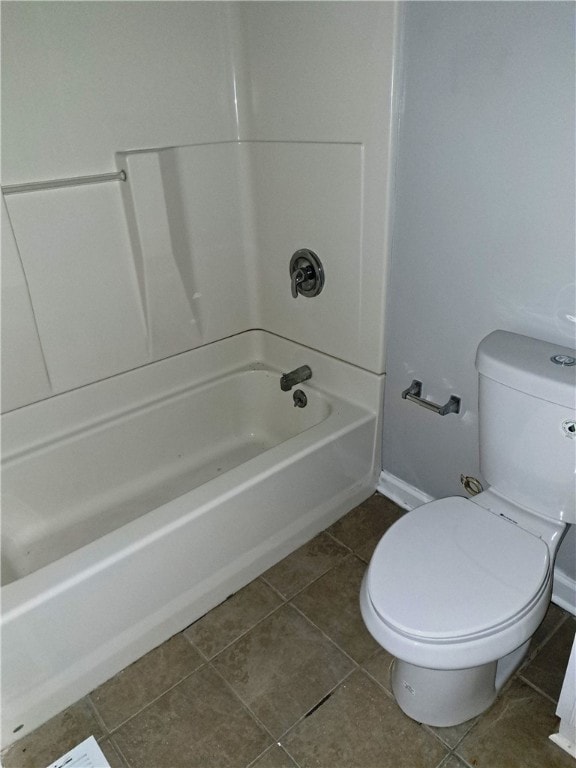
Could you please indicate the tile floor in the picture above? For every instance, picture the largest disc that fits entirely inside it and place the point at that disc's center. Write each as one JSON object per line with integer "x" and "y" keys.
{"x": 283, "y": 674}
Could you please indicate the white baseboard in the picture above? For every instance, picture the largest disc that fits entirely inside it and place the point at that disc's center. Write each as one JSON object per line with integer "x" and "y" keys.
{"x": 564, "y": 591}
{"x": 404, "y": 494}
{"x": 565, "y": 743}
{"x": 409, "y": 497}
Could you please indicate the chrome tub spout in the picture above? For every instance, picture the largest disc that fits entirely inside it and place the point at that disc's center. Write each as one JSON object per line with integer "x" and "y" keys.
{"x": 297, "y": 376}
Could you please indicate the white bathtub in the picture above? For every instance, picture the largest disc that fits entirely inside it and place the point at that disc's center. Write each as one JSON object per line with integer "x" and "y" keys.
{"x": 134, "y": 505}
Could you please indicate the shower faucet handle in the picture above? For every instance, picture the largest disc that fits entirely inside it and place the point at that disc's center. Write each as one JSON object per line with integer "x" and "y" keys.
{"x": 306, "y": 274}
{"x": 299, "y": 276}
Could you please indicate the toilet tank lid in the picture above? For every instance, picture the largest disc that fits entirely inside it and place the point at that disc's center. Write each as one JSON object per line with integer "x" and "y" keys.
{"x": 526, "y": 364}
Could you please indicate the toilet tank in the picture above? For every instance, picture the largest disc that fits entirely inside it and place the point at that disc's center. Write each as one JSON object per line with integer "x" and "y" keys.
{"x": 527, "y": 422}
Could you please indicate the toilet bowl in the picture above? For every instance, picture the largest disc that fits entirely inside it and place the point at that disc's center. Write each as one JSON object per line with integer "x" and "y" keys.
{"x": 457, "y": 587}
{"x": 455, "y": 593}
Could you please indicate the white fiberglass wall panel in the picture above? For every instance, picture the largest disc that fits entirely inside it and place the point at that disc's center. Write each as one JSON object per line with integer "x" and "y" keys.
{"x": 309, "y": 195}
{"x": 323, "y": 72}
{"x": 75, "y": 251}
{"x": 80, "y": 83}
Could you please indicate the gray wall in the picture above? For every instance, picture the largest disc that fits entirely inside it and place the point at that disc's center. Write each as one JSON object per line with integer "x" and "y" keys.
{"x": 483, "y": 236}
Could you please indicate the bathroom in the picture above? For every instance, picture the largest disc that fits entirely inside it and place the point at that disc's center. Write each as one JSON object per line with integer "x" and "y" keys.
{"x": 424, "y": 151}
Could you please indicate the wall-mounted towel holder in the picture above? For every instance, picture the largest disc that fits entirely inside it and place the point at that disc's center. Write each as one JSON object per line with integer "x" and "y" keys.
{"x": 76, "y": 181}
{"x": 414, "y": 394}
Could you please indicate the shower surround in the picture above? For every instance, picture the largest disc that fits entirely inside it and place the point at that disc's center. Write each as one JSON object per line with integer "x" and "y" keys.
{"x": 152, "y": 464}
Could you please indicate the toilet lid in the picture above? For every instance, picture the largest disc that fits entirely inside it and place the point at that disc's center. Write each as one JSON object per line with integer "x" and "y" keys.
{"x": 451, "y": 569}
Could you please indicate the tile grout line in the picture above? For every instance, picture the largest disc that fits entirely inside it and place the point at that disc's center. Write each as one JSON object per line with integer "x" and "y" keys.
{"x": 452, "y": 747}
{"x": 122, "y": 755}
{"x": 269, "y": 749}
{"x": 378, "y": 683}
{"x": 337, "y": 540}
{"x": 535, "y": 688}
{"x": 208, "y": 659}
{"x": 194, "y": 646}
{"x": 333, "y": 642}
{"x": 97, "y": 715}
{"x": 454, "y": 753}
{"x": 309, "y": 584}
{"x": 245, "y": 706}
{"x": 353, "y": 551}
{"x": 534, "y": 652}
{"x": 345, "y": 559}
{"x": 308, "y": 712}
{"x": 116, "y": 728}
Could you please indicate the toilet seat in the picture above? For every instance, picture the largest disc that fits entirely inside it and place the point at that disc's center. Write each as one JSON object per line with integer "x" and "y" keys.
{"x": 453, "y": 572}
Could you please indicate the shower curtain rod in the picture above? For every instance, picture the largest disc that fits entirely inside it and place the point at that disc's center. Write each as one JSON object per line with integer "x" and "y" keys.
{"x": 35, "y": 186}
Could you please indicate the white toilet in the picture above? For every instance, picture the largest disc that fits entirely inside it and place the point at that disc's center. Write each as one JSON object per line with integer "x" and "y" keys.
{"x": 456, "y": 588}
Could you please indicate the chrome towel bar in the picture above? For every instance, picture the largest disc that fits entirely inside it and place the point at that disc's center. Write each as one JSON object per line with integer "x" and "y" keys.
{"x": 76, "y": 181}
{"x": 414, "y": 394}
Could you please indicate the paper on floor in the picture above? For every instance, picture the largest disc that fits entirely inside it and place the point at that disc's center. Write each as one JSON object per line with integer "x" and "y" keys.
{"x": 85, "y": 755}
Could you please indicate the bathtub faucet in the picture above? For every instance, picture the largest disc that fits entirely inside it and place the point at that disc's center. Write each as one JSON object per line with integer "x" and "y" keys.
{"x": 297, "y": 376}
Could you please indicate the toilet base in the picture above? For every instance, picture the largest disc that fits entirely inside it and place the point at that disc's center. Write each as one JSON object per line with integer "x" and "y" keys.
{"x": 445, "y": 697}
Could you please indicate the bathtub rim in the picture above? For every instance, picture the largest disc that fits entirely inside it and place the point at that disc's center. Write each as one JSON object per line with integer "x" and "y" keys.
{"x": 252, "y": 349}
